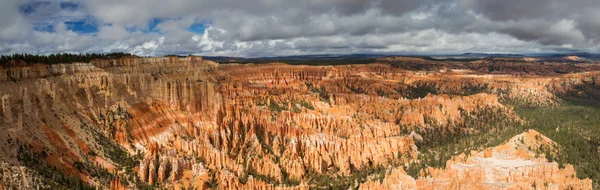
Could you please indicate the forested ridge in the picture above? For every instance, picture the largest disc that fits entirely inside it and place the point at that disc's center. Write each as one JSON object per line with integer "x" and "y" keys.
{"x": 7, "y": 61}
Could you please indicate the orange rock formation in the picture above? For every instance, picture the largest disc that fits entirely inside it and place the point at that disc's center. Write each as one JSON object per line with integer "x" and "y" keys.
{"x": 512, "y": 165}
{"x": 192, "y": 122}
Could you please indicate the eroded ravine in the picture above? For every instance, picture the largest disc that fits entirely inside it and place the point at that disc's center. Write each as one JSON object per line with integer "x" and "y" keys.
{"x": 179, "y": 122}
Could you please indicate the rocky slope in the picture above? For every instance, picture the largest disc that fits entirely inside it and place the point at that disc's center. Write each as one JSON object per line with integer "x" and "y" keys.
{"x": 515, "y": 164}
{"x": 186, "y": 122}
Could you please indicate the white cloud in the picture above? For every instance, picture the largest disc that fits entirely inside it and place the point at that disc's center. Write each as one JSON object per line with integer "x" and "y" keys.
{"x": 284, "y": 27}
{"x": 13, "y": 26}
{"x": 112, "y": 32}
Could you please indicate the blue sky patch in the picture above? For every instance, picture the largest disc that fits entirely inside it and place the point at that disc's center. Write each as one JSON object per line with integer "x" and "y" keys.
{"x": 44, "y": 28}
{"x": 29, "y": 8}
{"x": 150, "y": 29}
{"x": 152, "y": 25}
{"x": 69, "y": 6}
{"x": 198, "y": 28}
{"x": 82, "y": 27}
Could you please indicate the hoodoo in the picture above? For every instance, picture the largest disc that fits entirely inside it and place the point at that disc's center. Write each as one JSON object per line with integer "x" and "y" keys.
{"x": 188, "y": 122}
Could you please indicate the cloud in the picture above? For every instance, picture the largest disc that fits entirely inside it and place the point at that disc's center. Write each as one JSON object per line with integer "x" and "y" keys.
{"x": 547, "y": 21}
{"x": 13, "y": 26}
{"x": 113, "y": 32}
{"x": 545, "y": 32}
{"x": 287, "y": 27}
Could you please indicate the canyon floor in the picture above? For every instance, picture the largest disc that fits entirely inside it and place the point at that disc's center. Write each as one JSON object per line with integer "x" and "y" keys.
{"x": 392, "y": 123}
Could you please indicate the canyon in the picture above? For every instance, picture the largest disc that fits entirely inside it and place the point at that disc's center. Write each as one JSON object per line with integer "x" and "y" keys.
{"x": 186, "y": 122}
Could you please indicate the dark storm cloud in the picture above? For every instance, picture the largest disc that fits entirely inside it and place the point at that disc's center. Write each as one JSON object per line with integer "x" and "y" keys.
{"x": 536, "y": 19}
{"x": 274, "y": 27}
{"x": 530, "y": 9}
{"x": 511, "y": 9}
{"x": 400, "y": 7}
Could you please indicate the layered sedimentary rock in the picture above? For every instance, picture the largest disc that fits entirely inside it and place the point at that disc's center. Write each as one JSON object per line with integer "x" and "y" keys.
{"x": 512, "y": 165}
{"x": 187, "y": 122}
{"x": 395, "y": 179}
{"x": 82, "y": 107}
{"x": 158, "y": 168}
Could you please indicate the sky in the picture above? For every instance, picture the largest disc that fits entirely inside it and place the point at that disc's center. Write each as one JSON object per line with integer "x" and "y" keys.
{"x": 253, "y": 28}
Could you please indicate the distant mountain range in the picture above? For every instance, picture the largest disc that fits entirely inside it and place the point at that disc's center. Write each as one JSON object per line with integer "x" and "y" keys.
{"x": 586, "y": 55}
{"x": 301, "y": 57}
{"x": 339, "y": 57}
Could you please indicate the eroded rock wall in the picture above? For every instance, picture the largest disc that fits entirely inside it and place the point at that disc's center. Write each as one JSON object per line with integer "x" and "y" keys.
{"x": 180, "y": 122}
{"x": 512, "y": 165}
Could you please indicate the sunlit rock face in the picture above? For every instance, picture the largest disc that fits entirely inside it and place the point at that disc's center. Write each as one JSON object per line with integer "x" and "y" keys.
{"x": 187, "y": 122}
{"x": 512, "y": 165}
